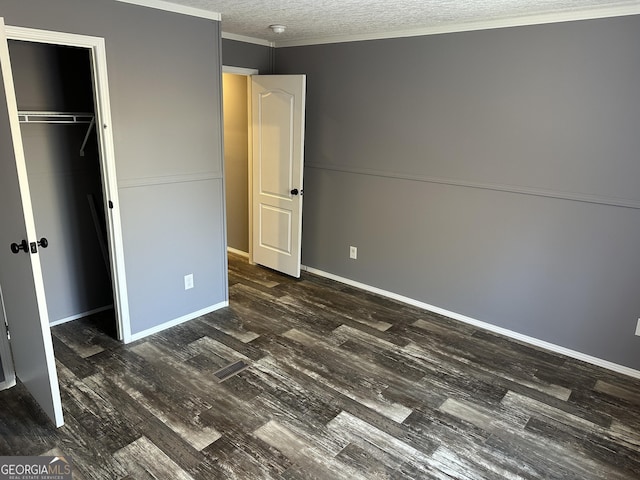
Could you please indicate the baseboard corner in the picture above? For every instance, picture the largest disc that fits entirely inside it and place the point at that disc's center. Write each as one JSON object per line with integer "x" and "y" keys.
{"x": 177, "y": 321}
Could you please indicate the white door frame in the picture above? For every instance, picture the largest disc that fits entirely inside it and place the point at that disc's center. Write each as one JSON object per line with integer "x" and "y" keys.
{"x": 247, "y": 72}
{"x": 96, "y": 45}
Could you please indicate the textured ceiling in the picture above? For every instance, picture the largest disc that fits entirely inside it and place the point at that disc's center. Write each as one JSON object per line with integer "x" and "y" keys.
{"x": 320, "y": 19}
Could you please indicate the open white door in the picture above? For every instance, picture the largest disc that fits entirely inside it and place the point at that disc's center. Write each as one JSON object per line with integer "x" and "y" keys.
{"x": 20, "y": 273}
{"x": 278, "y": 107}
{"x": 7, "y": 372}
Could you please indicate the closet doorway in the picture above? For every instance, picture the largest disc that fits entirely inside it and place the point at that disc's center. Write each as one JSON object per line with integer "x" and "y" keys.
{"x": 23, "y": 293}
{"x": 62, "y": 95}
{"x": 57, "y": 123}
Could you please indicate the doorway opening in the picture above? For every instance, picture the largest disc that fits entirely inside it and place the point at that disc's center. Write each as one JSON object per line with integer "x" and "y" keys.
{"x": 59, "y": 73}
{"x": 275, "y": 159}
{"x": 56, "y": 110}
{"x": 236, "y": 90}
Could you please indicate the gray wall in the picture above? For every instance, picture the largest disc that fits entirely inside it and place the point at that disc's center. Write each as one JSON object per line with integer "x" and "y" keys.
{"x": 247, "y": 55}
{"x": 52, "y": 78}
{"x": 236, "y": 159}
{"x": 465, "y": 168}
{"x": 164, "y": 83}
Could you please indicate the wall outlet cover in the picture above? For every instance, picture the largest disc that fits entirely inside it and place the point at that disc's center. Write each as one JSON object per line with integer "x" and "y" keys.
{"x": 353, "y": 252}
{"x": 188, "y": 281}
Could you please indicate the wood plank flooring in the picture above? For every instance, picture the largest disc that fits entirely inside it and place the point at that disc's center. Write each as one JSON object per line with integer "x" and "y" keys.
{"x": 341, "y": 384}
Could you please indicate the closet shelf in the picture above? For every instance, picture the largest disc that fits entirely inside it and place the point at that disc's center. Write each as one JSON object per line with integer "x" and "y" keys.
{"x": 55, "y": 117}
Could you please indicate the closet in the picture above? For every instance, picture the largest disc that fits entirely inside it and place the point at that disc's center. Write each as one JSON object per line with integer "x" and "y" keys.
{"x": 54, "y": 91}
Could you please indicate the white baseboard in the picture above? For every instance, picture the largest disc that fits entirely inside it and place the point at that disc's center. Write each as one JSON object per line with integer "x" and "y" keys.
{"x": 8, "y": 383}
{"x": 80, "y": 315}
{"x": 237, "y": 252}
{"x": 177, "y": 321}
{"x": 480, "y": 324}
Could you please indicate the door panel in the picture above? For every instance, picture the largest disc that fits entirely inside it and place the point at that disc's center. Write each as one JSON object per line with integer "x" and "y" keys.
{"x": 278, "y": 107}
{"x": 276, "y": 140}
{"x": 7, "y": 373}
{"x": 275, "y": 229}
{"x": 20, "y": 274}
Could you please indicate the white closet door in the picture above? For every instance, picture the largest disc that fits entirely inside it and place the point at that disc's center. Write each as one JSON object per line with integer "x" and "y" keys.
{"x": 7, "y": 372}
{"x": 21, "y": 274}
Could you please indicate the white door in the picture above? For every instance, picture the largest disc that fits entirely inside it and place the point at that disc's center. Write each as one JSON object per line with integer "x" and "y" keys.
{"x": 7, "y": 373}
{"x": 20, "y": 273}
{"x": 278, "y": 106}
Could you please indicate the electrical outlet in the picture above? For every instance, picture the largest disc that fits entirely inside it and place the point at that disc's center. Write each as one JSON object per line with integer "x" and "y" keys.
{"x": 638, "y": 328}
{"x": 188, "y": 281}
{"x": 353, "y": 252}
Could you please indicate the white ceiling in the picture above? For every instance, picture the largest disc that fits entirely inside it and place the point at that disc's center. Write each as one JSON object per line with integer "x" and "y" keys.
{"x": 319, "y": 21}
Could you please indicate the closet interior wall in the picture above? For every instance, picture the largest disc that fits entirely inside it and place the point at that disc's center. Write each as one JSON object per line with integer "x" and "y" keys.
{"x": 63, "y": 182}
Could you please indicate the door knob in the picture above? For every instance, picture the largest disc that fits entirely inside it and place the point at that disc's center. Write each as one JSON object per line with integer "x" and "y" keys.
{"x": 43, "y": 242}
{"x": 16, "y": 247}
{"x": 294, "y": 191}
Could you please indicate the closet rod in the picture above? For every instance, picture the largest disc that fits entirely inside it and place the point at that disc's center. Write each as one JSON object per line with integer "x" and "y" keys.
{"x": 86, "y": 137}
{"x": 54, "y": 117}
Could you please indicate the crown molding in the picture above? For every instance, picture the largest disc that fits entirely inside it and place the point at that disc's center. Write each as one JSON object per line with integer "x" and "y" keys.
{"x": 175, "y": 8}
{"x": 245, "y": 39}
{"x": 541, "y": 19}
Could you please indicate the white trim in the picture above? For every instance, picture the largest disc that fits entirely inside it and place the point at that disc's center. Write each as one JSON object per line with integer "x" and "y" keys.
{"x": 250, "y": 166}
{"x": 245, "y": 39}
{"x": 177, "y": 321}
{"x": 110, "y": 182}
{"x": 239, "y": 70}
{"x": 51, "y": 37}
{"x": 538, "y": 192}
{"x": 238, "y": 252}
{"x": 80, "y": 315}
{"x": 540, "y": 19}
{"x": 480, "y": 324}
{"x": 107, "y": 156}
{"x": 175, "y": 8}
{"x": 9, "y": 382}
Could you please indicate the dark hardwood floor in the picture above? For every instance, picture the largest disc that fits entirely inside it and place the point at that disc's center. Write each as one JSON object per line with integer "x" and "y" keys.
{"x": 341, "y": 384}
